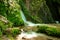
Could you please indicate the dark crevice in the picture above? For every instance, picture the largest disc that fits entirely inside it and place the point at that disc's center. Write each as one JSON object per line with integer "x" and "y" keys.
{"x": 53, "y": 6}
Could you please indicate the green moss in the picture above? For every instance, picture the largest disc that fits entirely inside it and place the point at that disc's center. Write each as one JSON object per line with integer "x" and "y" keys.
{"x": 51, "y": 31}
{"x": 2, "y": 8}
{"x": 0, "y": 33}
{"x": 15, "y": 32}
{"x": 4, "y": 24}
{"x": 42, "y": 29}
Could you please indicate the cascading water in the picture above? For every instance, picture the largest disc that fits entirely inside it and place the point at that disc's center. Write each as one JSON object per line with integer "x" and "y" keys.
{"x": 25, "y": 35}
{"x": 28, "y": 36}
{"x": 22, "y": 15}
{"x": 27, "y": 22}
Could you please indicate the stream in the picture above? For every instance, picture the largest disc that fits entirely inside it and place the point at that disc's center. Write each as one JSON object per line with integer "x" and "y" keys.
{"x": 32, "y": 35}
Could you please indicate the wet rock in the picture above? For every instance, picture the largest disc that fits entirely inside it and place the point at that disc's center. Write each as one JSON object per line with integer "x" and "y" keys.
{"x": 42, "y": 37}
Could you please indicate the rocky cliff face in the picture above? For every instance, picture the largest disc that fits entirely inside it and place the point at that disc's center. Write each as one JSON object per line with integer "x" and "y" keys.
{"x": 39, "y": 12}
{"x": 54, "y": 6}
{"x": 44, "y": 11}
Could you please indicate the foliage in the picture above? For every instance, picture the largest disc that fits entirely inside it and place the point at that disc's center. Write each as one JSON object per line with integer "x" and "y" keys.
{"x": 12, "y": 32}
{"x": 15, "y": 32}
{"x": 2, "y": 8}
{"x": 4, "y": 24}
{"x": 3, "y": 27}
{"x": 51, "y": 31}
{"x": 0, "y": 33}
{"x": 42, "y": 29}
{"x": 27, "y": 12}
{"x": 14, "y": 13}
{"x": 11, "y": 10}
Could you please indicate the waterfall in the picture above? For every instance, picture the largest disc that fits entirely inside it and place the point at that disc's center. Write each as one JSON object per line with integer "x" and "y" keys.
{"x": 22, "y": 15}
{"x": 24, "y": 35}
{"x": 27, "y": 22}
{"x": 28, "y": 36}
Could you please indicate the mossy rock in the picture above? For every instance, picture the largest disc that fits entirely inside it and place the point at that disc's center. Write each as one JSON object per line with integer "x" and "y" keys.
{"x": 4, "y": 24}
{"x": 51, "y": 31}
{"x": 12, "y": 31}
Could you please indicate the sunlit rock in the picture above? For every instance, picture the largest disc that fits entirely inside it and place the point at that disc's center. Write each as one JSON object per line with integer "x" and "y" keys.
{"x": 2, "y": 18}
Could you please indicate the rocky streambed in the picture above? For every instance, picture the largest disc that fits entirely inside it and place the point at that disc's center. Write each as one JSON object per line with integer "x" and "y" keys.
{"x": 39, "y": 37}
{"x": 30, "y": 35}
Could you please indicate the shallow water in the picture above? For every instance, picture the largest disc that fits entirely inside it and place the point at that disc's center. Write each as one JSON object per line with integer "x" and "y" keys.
{"x": 35, "y": 36}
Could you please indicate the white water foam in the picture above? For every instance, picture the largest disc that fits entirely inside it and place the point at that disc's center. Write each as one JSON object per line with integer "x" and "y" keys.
{"x": 27, "y": 22}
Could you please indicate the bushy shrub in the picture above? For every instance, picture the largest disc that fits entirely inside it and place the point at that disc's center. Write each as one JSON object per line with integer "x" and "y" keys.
{"x": 42, "y": 29}
{"x": 51, "y": 31}
{"x": 4, "y": 26}
{"x": 11, "y": 12}
{"x": 15, "y": 32}
{"x": 14, "y": 15}
{"x": 0, "y": 33}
